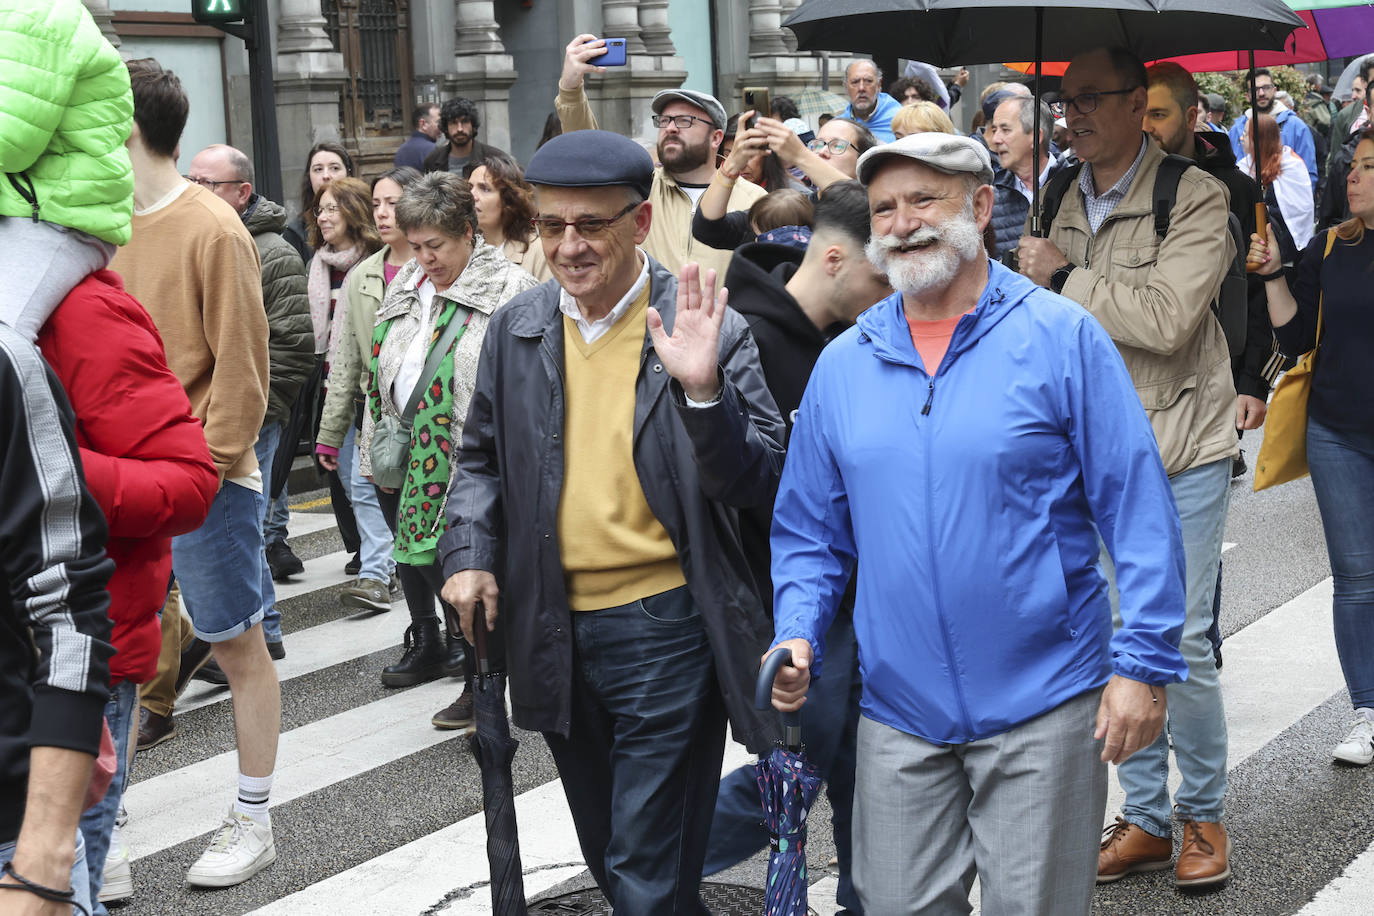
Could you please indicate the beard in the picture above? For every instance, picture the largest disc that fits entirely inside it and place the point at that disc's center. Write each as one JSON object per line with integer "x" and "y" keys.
{"x": 683, "y": 158}
{"x": 946, "y": 248}
{"x": 861, "y": 114}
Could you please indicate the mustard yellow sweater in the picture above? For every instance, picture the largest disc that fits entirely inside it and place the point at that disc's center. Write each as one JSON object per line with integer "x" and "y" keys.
{"x": 614, "y": 550}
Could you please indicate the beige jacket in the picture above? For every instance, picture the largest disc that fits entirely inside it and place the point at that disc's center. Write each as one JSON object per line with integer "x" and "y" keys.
{"x": 670, "y": 239}
{"x": 1155, "y": 302}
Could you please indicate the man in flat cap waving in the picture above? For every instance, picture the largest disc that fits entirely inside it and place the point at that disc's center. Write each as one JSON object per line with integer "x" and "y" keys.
{"x": 619, "y": 418}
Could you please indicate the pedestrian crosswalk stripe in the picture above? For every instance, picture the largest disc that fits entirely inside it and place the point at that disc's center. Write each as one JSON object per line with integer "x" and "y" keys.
{"x": 183, "y": 804}
{"x": 316, "y": 648}
{"x": 415, "y": 877}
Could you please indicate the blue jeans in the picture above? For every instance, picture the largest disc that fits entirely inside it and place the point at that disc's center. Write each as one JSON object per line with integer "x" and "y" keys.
{"x": 80, "y": 883}
{"x": 219, "y": 566}
{"x": 274, "y": 528}
{"x": 830, "y": 720}
{"x": 373, "y": 531}
{"x": 97, "y": 823}
{"x": 641, "y": 762}
{"x": 269, "y": 438}
{"x": 1196, "y": 718}
{"x": 1342, "y": 465}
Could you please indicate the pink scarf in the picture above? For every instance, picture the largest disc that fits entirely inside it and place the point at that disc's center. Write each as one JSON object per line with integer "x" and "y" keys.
{"x": 317, "y": 289}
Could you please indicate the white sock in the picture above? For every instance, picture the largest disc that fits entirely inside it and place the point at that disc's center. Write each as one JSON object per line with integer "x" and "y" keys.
{"x": 253, "y": 795}
{"x": 1366, "y": 712}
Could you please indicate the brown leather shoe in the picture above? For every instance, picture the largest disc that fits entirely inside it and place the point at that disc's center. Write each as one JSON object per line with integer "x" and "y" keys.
{"x": 1127, "y": 848}
{"x": 1205, "y": 858}
{"x": 153, "y": 729}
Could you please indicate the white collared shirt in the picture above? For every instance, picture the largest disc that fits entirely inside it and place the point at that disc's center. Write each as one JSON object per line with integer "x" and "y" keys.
{"x": 1021, "y": 185}
{"x": 592, "y": 330}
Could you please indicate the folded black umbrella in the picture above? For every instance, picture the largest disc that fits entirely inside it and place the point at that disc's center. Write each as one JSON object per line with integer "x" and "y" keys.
{"x": 494, "y": 749}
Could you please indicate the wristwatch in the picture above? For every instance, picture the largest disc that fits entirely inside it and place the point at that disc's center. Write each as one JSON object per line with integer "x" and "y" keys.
{"x": 1060, "y": 277}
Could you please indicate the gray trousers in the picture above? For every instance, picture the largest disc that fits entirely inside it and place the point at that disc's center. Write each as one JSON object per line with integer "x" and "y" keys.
{"x": 1023, "y": 810}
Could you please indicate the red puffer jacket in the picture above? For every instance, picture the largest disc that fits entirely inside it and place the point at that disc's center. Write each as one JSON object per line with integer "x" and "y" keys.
{"x": 143, "y": 452}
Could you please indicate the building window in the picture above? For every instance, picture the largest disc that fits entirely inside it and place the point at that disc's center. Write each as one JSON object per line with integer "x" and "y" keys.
{"x": 374, "y": 38}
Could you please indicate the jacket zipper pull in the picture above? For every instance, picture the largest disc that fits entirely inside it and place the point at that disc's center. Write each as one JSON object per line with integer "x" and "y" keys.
{"x": 929, "y": 397}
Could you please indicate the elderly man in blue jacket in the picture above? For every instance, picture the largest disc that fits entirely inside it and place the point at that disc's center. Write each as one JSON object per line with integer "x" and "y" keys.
{"x": 965, "y": 445}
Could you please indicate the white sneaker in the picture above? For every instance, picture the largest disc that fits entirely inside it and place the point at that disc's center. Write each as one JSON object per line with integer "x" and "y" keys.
{"x": 239, "y": 850}
{"x": 1358, "y": 746}
{"x": 118, "y": 882}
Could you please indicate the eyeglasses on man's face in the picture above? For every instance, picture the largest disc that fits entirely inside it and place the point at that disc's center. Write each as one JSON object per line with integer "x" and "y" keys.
{"x": 1086, "y": 102}
{"x": 207, "y": 183}
{"x": 588, "y": 227}
{"x": 681, "y": 122}
{"x": 836, "y": 146}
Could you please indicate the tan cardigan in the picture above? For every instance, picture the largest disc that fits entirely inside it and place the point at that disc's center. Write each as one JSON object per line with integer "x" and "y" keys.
{"x": 670, "y": 240}
{"x": 195, "y": 268}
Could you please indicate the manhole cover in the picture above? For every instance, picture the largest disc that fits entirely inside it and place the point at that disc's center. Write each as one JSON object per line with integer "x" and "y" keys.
{"x": 721, "y": 900}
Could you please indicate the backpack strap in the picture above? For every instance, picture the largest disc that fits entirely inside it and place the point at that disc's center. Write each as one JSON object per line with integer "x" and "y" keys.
{"x": 1171, "y": 169}
{"x": 1052, "y": 195}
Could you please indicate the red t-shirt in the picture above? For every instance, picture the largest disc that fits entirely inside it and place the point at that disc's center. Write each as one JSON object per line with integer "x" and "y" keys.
{"x": 931, "y": 339}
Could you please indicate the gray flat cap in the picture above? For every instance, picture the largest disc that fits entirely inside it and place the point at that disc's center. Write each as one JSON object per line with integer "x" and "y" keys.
{"x": 707, "y": 103}
{"x": 945, "y": 152}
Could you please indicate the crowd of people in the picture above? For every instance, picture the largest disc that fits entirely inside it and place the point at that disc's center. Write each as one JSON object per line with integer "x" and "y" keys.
{"x": 647, "y": 412}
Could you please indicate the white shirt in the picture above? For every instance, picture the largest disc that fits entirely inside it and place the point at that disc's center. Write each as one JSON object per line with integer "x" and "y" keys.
{"x": 591, "y": 330}
{"x": 1021, "y": 185}
{"x": 413, "y": 363}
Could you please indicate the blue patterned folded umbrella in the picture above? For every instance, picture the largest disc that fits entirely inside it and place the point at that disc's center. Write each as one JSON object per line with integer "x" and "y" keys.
{"x": 788, "y": 784}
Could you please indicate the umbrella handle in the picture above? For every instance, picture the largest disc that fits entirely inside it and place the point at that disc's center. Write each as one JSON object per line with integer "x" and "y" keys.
{"x": 1261, "y": 227}
{"x": 479, "y": 638}
{"x": 763, "y": 695}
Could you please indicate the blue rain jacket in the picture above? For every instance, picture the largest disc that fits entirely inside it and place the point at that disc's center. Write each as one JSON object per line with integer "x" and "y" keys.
{"x": 972, "y": 502}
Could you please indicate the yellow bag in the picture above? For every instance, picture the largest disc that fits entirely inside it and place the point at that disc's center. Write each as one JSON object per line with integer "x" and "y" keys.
{"x": 1283, "y": 453}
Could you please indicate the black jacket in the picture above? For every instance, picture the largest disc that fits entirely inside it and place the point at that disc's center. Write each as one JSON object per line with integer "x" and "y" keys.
{"x": 437, "y": 160}
{"x": 789, "y": 345}
{"x": 1010, "y": 208}
{"x": 1216, "y": 158}
{"x": 291, "y": 336}
{"x": 54, "y": 630}
{"x": 698, "y": 466}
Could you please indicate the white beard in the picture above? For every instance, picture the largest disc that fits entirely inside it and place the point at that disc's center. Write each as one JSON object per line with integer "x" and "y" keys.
{"x": 953, "y": 244}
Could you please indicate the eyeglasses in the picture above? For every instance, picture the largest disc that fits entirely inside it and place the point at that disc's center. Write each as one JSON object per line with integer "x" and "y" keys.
{"x": 329, "y": 209}
{"x": 1086, "y": 102}
{"x": 207, "y": 183}
{"x": 681, "y": 122}
{"x": 836, "y": 147}
{"x": 1262, "y": 87}
{"x": 590, "y": 227}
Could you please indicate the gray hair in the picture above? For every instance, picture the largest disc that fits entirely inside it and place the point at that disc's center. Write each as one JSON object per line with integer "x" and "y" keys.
{"x": 877, "y": 71}
{"x": 1025, "y": 109}
{"x": 440, "y": 200}
{"x": 238, "y": 161}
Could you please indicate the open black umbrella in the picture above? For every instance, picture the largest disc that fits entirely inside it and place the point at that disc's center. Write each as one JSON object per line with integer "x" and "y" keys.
{"x": 494, "y": 749}
{"x": 788, "y": 784}
{"x": 950, "y": 32}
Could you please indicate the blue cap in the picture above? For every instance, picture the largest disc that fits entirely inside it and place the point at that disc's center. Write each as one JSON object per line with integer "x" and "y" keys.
{"x": 592, "y": 159}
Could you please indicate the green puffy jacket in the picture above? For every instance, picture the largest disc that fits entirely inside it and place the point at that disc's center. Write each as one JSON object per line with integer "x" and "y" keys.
{"x": 65, "y": 112}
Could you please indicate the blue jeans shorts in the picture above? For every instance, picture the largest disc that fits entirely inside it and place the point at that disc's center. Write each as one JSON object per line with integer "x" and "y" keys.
{"x": 219, "y": 566}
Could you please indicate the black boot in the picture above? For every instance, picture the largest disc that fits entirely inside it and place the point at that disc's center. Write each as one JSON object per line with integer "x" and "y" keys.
{"x": 423, "y": 658}
{"x": 455, "y": 658}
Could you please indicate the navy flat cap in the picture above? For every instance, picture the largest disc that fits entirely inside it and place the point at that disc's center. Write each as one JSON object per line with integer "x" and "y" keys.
{"x": 592, "y": 159}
